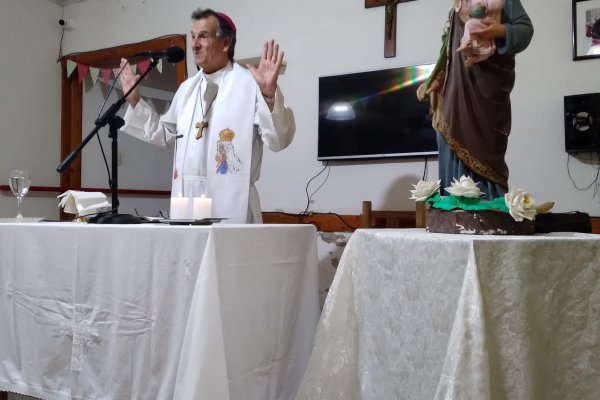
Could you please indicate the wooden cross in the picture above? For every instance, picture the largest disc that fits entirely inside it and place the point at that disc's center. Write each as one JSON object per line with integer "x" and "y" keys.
{"x": 389, "y": 47}
{"x": 200, "y": 126}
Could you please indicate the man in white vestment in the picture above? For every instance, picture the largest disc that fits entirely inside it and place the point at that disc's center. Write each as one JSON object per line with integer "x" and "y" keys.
{"x": 218, "y": 121}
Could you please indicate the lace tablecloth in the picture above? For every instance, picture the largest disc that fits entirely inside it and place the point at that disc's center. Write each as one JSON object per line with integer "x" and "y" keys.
{"x": 419, "y": 316}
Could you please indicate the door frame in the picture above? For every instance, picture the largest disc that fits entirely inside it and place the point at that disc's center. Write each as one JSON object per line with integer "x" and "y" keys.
{"x": 72, "y": 93}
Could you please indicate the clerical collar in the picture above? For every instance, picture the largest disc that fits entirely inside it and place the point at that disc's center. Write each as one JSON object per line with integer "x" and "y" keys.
{"x": 216, "y": 76}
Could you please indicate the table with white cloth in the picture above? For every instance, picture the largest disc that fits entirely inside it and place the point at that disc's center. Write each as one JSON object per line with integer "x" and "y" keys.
{"x": 416, "y": 315}
{"x": 154, "y": 311}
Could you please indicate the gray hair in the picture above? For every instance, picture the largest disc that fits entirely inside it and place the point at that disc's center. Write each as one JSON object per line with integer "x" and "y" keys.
{"x": 224, "y": 30}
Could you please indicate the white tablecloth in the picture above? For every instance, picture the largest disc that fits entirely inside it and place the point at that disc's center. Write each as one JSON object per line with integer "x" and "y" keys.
{"x": 103, "y": 312}
{"x": 412, "y": 315}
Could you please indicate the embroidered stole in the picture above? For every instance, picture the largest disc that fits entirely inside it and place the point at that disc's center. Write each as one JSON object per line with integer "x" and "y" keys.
{"x": 227, "y": 140}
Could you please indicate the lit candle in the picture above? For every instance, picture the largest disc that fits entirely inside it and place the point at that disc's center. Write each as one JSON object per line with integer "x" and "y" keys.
{"x": 179, "y": 208}
{"x": 202, "y": 207}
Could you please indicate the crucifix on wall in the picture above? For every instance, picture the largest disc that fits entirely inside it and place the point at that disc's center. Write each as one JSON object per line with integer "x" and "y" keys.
{"x": 389, "y": 47}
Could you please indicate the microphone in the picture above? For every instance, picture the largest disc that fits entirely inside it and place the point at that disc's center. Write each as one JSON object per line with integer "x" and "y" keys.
{"x": 173, "y": 54}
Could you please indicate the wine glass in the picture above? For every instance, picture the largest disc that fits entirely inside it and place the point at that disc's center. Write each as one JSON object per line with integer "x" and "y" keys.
{"x": 19, "y": 182}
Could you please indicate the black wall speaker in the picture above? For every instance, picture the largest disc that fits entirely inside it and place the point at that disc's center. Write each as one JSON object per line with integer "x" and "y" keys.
{"x": 582, "y": 123}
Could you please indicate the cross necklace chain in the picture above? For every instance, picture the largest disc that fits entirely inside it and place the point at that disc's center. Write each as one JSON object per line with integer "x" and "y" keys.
{"x": 204, "y": 123}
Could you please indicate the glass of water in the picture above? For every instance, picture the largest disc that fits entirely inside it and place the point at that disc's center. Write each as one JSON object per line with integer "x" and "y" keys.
{"x": 19, "y": 182}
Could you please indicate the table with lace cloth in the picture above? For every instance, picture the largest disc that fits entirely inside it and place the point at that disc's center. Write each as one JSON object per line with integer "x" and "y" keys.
{"x": 415, "y": 315}
{"x": 156, "y": 312}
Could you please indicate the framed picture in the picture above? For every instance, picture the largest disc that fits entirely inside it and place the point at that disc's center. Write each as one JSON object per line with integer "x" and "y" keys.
{"x": 586, "y": 29}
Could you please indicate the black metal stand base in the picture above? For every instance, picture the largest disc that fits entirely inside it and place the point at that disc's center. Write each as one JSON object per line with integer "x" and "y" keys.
{"x": 115, "y": 219}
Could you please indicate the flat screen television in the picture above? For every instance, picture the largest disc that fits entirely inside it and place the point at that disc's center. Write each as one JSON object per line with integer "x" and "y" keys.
{"x": 374, "y": 114}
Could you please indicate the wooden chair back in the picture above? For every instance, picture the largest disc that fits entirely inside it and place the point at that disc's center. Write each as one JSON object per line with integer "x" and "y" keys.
{"x": 386, "y": 218}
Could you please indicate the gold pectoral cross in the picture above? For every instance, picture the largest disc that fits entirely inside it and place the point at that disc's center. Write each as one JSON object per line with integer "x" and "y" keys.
{"x": 200, "y": 126}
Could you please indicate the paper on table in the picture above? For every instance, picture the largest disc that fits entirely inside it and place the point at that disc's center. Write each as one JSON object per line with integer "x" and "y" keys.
{"x": 81, "y": 203}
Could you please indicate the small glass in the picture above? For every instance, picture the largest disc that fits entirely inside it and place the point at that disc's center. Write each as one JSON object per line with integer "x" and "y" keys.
{"x": 19, "y": 182}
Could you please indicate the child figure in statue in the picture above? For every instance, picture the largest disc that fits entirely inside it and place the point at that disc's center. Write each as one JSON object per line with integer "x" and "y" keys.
{"x": 473, "y": 11}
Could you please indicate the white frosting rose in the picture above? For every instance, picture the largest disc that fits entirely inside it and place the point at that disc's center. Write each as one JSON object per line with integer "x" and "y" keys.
{"x": 520, "y": 204}
{"x": 424, "y": 189}
{"x": 464, "y": 187}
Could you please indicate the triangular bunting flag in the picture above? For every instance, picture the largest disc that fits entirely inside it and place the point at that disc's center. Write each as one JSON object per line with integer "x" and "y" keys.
{"x": 116, "y": 74}
{"x": 106, "y": 74}
{"x": 134, "y": 69}
{"x": 159, "y": 66}
{"x": 71, "y": 65}
{"x": 144, "y": 66}
{"x": 81, "y": 71}
{"x": 94, "y": 74}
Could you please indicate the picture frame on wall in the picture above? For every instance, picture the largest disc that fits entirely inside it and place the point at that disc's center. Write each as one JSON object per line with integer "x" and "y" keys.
{"x": 586, "y": 29}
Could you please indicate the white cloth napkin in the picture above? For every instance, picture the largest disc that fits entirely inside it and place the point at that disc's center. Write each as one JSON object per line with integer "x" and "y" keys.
{"x": 82, "y": 203}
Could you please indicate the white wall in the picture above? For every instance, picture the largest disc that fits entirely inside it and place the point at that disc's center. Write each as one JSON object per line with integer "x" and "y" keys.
{"x": 30, "y": 101}
{"x": 325, "y": 38}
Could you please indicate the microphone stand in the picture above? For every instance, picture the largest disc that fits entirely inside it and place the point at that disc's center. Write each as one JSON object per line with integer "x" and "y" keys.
{"x": 115, "y": 122}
